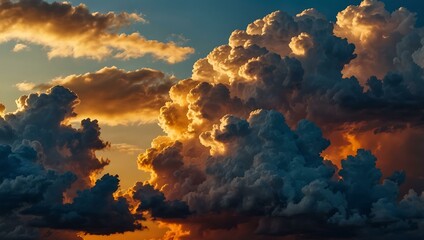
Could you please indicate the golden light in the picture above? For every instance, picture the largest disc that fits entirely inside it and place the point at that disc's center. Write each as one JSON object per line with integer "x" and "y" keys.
{"x": 301, "y": 44}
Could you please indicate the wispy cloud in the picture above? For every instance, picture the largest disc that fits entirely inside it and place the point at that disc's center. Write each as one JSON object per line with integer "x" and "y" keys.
{"x": 73, "y": 31}
{"x": 20, "y": 47}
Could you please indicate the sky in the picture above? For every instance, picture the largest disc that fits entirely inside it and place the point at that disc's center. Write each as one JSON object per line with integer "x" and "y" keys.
{"x": 261, "y": 119}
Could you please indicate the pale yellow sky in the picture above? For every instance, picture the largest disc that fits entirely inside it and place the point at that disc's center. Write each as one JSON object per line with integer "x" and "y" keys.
{"x": 124, "y": 161}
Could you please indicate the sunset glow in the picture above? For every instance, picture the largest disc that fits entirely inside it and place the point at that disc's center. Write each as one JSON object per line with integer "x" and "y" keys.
{"x": 188, "y": 120}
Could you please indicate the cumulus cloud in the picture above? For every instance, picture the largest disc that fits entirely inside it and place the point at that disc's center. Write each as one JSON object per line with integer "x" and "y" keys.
{"x": 154, "y": 201}
{"x": 376, "y": 34}
{"x": 268, "y": 170}
{"x": 47, "y": 172}
{"x": 93, "y": 211}
{"x": 115, "y": 96}
{"x": 418, "y": 55}
{"x": 260, "y": 67}
{"x": 73, "y": 31}
{"x": 61, "y": 147}
{"x": 238, "y": 154}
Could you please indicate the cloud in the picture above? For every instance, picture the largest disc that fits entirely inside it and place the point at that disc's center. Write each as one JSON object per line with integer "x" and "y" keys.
{"x": 300, "y": 44}
{"x": 73, "y": 31}
{"x": 115, "y": 96}
{"x": 154, "y": 200}
{"x": 239, "y": 153}
{"x": 271, "y": 173}
{"x": 93, "y": 211}
{"x": 259, "y": 67}
{"x": 243, "y": 154}
{"x": 126, "y": 148}
{"x": 376, "y": 34}
{"x": 20, "y": 47}
{"x": 47, "y": 169}
{"x": 62, "y": 148}
{"x": 26, "y": 86}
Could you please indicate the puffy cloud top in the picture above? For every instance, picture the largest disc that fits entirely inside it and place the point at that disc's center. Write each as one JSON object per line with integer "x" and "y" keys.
{"x": 237, "y": 146}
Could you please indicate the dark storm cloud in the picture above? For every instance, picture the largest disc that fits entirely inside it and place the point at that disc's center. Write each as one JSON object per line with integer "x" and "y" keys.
{"x": 310, "y": 84}
{"x": 154, "y": 200}
{"x": 46, "y": 169}
{"x": 266, "y": 169}
{"x": 60, "y": 147}
{"x": 255, "y": 167}
{"x": 93, "y": 211}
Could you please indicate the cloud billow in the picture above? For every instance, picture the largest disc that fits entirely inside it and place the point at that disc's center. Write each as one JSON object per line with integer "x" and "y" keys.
{"x": 238, "y": 151}
{"x": 245, "y": 153}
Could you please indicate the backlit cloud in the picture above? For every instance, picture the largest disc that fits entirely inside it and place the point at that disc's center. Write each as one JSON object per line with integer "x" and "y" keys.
{"x": 264, "y": 141}
{"x": 376, "y": 34}
{"x": 47, "y": 175}
{"x": 237, "y": 166}
{"x": 73, "y": 31}
{"x": 115, "y": 96}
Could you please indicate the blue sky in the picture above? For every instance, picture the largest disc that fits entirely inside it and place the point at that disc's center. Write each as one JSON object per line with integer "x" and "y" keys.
{"x": 205, "y": 25}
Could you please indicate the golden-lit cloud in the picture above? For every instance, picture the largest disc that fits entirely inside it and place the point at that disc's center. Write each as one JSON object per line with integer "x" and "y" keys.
{"x": 236, "y": 143}
{"x": 115, "y": 96}
{"x": 375, "y": 33}
{"x": 126, "y": 148}
{"x": 175, "y": 231}
{"x": 301, "y": 43}
{"x": 246, "y": 153}
{"x": 74, "y": 31}
{"x": 20, "y": 47}
{"x": 25, "y": 86}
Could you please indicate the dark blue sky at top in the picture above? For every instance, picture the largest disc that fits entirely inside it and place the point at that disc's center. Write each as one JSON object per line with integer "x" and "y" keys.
{"x": 208, "y": 23}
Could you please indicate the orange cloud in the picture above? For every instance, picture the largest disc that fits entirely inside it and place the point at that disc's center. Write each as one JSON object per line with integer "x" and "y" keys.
{"x": 2, "y": 109}
{"x": 375, "y": 33}
{"x": 126, "y": 148}
{"x": 175, "y": 232}
{"x": 69, "y": 31}
{"x": 115, "y": 96}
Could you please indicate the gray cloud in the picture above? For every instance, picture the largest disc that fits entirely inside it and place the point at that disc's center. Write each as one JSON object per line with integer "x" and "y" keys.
{"x": 46, "y": 170}
{"x": 255, "y": 167}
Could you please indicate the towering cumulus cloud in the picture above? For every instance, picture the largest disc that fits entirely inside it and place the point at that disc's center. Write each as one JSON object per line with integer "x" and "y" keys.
{"x": 69, "y": 31}
{"x": 245, "y": 153}
{"x": 375, "y": 33}
{"x": 239, "y": 154}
